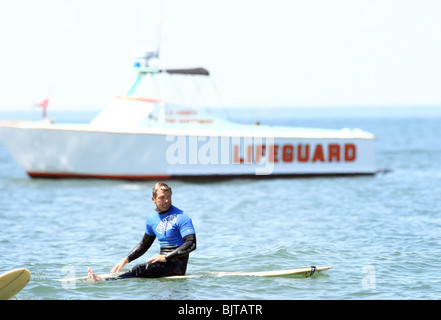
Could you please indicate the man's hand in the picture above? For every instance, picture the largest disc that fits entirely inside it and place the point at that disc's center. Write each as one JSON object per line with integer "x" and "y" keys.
{"x": 120, "y": 265}
{"x": 157, "y": 258}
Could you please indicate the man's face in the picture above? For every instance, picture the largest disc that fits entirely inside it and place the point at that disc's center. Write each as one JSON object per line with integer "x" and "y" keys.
{"x": 162, "y": 200}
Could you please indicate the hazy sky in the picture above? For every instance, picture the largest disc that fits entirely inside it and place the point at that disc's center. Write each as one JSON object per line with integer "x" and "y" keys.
{"x": 259, "y": 53}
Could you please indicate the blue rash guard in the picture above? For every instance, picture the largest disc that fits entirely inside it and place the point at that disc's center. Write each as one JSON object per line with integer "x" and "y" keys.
{"x": 170, "y": 228}
{"x": 177, "y": 238}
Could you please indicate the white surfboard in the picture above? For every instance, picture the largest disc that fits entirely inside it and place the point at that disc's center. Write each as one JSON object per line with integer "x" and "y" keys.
{"x": 12, "y": 282}
{"x": 301, "y": 272}
{"x": 305, "y": 272}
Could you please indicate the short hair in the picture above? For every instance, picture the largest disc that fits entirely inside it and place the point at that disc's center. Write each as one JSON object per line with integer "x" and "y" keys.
{"x": 160, "y": 186}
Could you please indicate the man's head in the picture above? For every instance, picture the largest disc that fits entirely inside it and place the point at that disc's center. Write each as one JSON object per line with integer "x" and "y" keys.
{"x": 161, "y": 196}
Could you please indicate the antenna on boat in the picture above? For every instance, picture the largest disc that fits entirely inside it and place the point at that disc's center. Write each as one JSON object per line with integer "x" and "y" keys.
{"x": 158, "y": 40}
{"x": 146, "y": 60}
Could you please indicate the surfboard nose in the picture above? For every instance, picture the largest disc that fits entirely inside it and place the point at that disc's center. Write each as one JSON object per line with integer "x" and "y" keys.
{"x": 12, "y": 282}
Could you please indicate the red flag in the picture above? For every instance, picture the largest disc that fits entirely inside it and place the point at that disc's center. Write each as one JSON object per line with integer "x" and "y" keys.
{"x": 44, "y": 105}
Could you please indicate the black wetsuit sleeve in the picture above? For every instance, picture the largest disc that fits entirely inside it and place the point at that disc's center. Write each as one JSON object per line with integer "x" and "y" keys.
{"x": 188, "y": 246}
{"x": 141, "y": 247}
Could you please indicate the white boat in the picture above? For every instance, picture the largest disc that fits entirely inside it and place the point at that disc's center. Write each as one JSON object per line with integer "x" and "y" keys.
{"x": 146, "y": 138}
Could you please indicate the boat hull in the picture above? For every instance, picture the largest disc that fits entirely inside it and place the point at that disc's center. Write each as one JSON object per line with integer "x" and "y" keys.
{"x": 85, "y": 152}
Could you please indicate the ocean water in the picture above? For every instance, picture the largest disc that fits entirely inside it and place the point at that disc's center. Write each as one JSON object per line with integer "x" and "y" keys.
{"x": 380, "y": 234}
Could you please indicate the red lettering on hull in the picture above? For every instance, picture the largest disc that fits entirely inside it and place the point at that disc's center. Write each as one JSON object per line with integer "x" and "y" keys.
{"x": 301, "y": 153}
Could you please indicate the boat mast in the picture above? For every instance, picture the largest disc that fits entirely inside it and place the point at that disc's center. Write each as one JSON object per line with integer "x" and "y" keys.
{"x": 147, "y": 62}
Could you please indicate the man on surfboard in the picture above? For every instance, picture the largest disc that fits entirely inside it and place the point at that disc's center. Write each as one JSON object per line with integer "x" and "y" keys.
{"x": 177, "y": 237}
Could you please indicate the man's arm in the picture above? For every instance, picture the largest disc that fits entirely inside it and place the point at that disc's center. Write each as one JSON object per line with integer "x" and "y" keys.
{"x": 141, "y": 247}
{"x": 188, "y": 246}
{"x": 136, "y": 252}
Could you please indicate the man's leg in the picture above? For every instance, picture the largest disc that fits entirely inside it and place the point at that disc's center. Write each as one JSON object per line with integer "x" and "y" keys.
{"x": 156, "y": 270}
